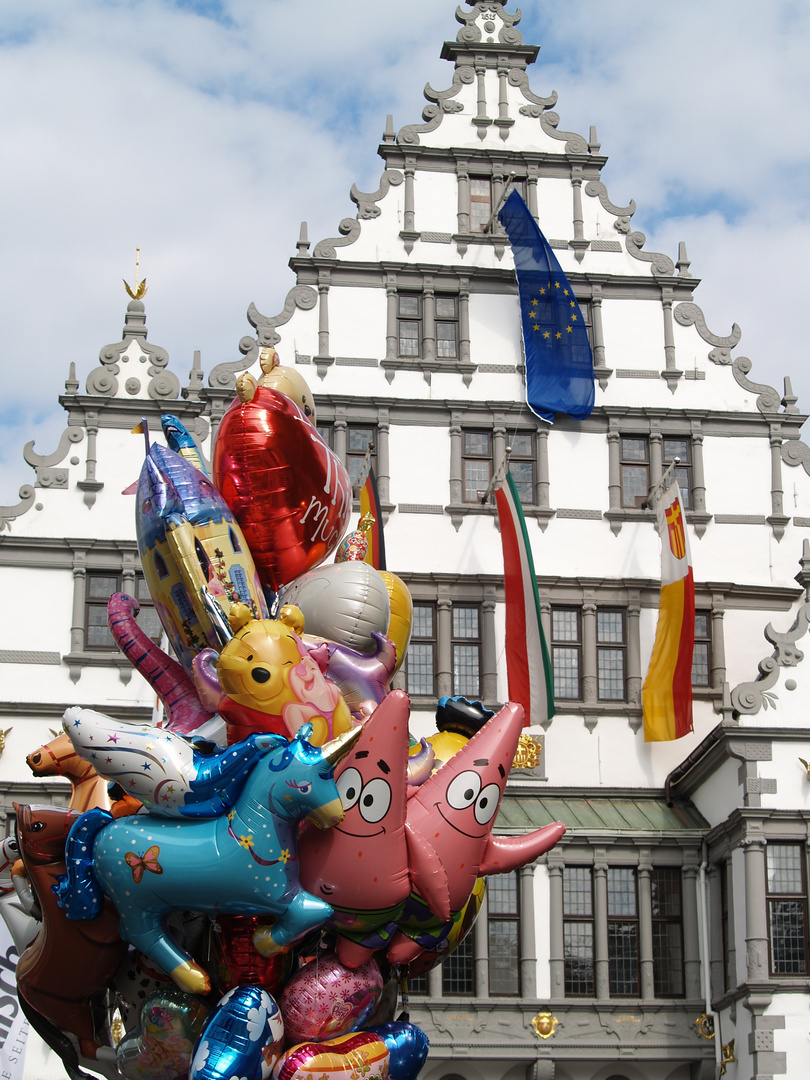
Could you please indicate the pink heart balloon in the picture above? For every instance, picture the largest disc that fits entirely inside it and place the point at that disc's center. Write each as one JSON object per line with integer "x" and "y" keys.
{"x": 290, "y": 494}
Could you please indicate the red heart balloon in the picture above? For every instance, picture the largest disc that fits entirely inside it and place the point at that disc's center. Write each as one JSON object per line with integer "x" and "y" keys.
{"x": 290, "y": 494}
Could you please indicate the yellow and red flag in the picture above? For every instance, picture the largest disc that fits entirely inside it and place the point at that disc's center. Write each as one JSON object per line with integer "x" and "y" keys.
{"x": 370, "y": 504}
{"x": 667, "y": 691}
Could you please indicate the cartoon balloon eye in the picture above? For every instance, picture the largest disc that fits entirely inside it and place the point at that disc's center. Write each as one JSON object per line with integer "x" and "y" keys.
{"x": 487, "y": 803}
{"x": 463, "y": 791}
{"x": 250, "y": 658}
{"x": 37, "y": 826}
{"x": 349, "y": 785}
{"x": 260, "y": 675}
{"x": 375, "y": 800}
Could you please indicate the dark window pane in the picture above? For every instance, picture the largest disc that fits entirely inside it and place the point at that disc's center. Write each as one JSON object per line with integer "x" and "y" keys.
{"x": 445, "y": 339}
{"x": 409, "y": 306}
{"x": 784, "y": 868}
{"x": 522, "y": 445}
{"x": 577, "y": 891}
{"x": 667, "y": 959}
{"x": 634, "y": 449}
{"x": 635, "y": 485}
{"x": 98, "y": 631}
{"x": 502, "y": 896}
{"x": 701, "y": 624}
{"x": 610, "y": 674}
{"x": 504, "y": 967}
{"x": 788, "y": 937}
{"x": 476, "y": 443}
{"x": 101, "y": 587}
{"x": 665, "y": 888}
{"x": 420, "y": 668}
{"x": 621, "y": 891}
{"x": 523, "y": 475}
{"x": 578, "y": 958}
{"x": 458, "y": 976}
{"x": 565, "y": 670}
{"x": 623, "y": 958}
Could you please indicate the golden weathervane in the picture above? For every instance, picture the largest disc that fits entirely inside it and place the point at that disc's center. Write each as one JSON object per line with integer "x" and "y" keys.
{"x": 140, "y": 286}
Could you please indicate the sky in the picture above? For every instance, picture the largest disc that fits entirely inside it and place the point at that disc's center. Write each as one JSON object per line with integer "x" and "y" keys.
{"x": 205, "y": 131}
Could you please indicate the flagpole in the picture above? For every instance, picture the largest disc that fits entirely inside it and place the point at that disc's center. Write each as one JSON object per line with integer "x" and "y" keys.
{"x": 498, "y": 477}
{"x": 365, "y": 468}
{"x": 491, "y": 219}
{"x": 657, "y": 489}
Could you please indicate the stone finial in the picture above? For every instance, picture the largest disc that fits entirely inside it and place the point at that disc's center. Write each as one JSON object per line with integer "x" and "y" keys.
{"x": 71, "y": 383}
{"x": 594, "y": 146}
{"x": 803, "y": 576}
{"x": 683, "y": 263}
{"x": 789, "y": 399}
{"x": 303, "y": 240}
{"x": 389, "y": 135}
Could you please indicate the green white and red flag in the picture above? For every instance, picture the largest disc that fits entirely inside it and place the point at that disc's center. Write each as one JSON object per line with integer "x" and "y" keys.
{"x": 528, "y": 666}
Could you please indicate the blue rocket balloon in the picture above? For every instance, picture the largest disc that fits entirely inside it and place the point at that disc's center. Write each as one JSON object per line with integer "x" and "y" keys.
{"x": 244, "y": 1037}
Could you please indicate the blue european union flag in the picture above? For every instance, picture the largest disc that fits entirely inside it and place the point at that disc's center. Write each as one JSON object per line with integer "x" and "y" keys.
{"x": 559, "y": 361}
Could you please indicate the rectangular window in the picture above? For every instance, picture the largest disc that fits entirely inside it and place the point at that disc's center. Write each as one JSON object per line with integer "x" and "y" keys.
{"x": 702, "y": 655}
{"x": 623, "y": 975}
{"x": 446, "y": 327}
{"x": 327, "y": 433}
{"x": 611, "y": 655}
{"x": 409, "y": 322}
{"x": 566, "y": 653}
{"x": 503, "y": 930}
{"x": 521, "y": 466}
{"x": 421, "y": 656}
{"x": 99, "y": 588}
{"x": 578, "y": 936}
{"x": 358, "y": 441}
{"x": 476, "y": 448}
{"x": 458, "y": 970}
{"x": 787, "y": 908}
{"x": 480, "y": 202}
{"x": 667, "y": 930}
{"x": 635, "y": 470}
{"x": 418, "y": 985}
{"x": 725, "y": 873}
{"x": 680, "y": 448}
{"x": 466, "y": 651}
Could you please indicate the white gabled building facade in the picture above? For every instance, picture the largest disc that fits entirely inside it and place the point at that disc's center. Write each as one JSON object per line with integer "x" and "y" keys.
{"x": 680, "y": 889}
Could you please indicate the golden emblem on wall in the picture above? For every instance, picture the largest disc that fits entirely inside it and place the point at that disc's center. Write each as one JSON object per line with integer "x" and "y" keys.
{"x": 527, "y": 755}
{"x": 705, "y": 1026}
{"x": 544, "y": 1024}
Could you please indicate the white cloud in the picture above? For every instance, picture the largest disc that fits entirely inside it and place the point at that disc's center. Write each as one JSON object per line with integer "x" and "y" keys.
{"x": 207, "y": 138}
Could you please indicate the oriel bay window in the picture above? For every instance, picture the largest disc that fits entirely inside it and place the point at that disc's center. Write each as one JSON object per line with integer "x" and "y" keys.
{"x": 636, "y": 926}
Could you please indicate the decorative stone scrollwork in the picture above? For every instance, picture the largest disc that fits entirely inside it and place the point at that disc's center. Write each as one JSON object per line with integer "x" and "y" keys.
{"x": 223, "y": 376}
{"x": 795, "y": 452}
{"x": 349, "y": 230}
{"x": 661, "y": 265}
{"x": 434, "y": 114}
{"x": 102, "y": 382}
{"x": 69, "y": 437}
{"x": 163, "y": 384}
{"x": 470, "y": 33}
{"x": 768, "y": 399}
{"x": 689, "y": 314}
{"x": 367, "y": 204}
{"x": 574, "y": 144}
{"x": 596, "y": 189}
{"x": 520, "y": 78}
{"x": 10, "y": 513}
{"x": 748, "y": 698}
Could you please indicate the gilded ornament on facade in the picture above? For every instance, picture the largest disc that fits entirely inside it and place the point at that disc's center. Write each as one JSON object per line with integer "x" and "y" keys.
{"x": 728, "y": 1056}
{"x": 705, "y": 1026}
{"x": 527, "y": 755}
{"x": 544, "y": 1024}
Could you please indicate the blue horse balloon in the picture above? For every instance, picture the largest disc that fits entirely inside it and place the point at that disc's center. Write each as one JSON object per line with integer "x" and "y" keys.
{"x": 243, "y": 862}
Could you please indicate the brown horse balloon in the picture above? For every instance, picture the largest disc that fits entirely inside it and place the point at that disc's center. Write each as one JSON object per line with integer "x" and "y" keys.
{"x": 66, "y": 969}
{"x": 58, "y": 758}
